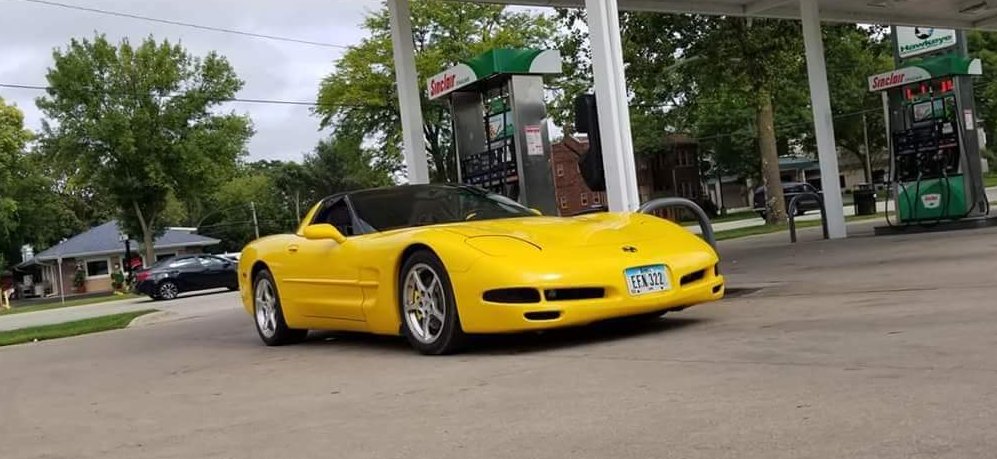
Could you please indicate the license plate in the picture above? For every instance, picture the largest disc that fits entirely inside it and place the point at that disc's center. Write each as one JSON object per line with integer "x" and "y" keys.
{"x": 647, "y": 279}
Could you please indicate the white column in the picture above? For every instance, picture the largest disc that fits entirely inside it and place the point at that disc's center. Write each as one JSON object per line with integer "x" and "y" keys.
{"x": 611, "y": 97}
{"x": 820, "y": 99}
{"x": 410, "y": 107}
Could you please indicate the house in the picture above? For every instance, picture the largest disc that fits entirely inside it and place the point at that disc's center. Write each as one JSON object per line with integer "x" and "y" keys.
{"x": 95, "y": 252}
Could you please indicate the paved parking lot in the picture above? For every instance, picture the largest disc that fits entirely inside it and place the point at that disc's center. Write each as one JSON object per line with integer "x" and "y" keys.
{"x": 870, "y": 347}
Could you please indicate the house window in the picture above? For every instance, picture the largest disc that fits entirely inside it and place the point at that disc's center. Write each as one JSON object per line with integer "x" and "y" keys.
{"x": 597, "y": 199}
{"x": 585, "y": 199}
{"x": 560, "y": 170}
{"x": 564, "y": 202}
{"x": 98, "y": 268}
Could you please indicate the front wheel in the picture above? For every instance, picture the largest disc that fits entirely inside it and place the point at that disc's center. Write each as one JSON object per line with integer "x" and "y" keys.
{"x": 428, "y": 309}
{"x": 269, "y": 316}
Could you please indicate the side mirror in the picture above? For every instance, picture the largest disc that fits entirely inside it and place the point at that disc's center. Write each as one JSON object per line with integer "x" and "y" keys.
{"x": 536, "y": 211}
{"x": 323, "y": 231}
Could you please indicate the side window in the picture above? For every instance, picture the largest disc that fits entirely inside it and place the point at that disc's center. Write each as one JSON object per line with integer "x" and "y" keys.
{"x": 212, "y": 262}
{"x": 336, "y": 213}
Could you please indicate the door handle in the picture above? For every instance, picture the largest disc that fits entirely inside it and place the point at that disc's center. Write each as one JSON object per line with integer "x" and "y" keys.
{"x": 293, "y": 248}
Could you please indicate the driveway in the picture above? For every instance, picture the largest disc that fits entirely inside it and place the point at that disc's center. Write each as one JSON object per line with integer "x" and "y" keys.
{"x": 864, "y": 348}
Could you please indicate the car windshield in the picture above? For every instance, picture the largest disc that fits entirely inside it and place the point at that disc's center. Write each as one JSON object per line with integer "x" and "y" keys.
{"x": 408, "y": 206}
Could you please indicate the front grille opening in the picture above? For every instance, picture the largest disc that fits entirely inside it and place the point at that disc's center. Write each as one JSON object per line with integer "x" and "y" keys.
{"x": 717, "y": 289}
{"x": 513, "y": 296}
{"x": 716, "y": 270}
{"x": 574, "y": 294}
{"x": 693, "y": 277}
{"x": 543, "y": 315}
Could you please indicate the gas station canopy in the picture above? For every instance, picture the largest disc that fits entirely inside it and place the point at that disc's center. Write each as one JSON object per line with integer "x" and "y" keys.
{"x": 610, "y": 86}
{"x": 957, "y": 14}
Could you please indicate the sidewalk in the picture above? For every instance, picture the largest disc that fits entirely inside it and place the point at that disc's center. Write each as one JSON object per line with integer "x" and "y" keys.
{"x": 192, "y": 305}
{"x": 815, "y": 215}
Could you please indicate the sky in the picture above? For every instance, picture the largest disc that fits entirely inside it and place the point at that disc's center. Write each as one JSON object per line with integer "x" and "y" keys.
{"x": 271, "y": 69}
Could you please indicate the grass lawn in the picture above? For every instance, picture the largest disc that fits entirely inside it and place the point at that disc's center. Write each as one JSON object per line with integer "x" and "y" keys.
{"x": 79, "y": 327}
{"x": 57, "y": 304}
{"x": 990, "y": 180}
{"x": 767, "y": 229}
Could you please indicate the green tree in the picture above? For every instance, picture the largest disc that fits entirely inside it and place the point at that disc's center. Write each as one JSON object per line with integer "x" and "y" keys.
{"x": 32, "y": 209}
{"x": 235, "y": 200}
{"x": 140, "y": 124}
{"x": 340, "y": 163}
{"x": 854, "y": 53}
{"x": 360, "y": 98}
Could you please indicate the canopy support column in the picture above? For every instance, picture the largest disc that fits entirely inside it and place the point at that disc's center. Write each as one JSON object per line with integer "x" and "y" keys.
{"x": 820, "y": 99}
{"x": 611, "y": 100}
{"x": 409, "y": 102}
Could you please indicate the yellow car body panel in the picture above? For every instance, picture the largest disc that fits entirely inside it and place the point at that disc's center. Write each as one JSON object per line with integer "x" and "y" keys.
{"x": 353, "y": 285}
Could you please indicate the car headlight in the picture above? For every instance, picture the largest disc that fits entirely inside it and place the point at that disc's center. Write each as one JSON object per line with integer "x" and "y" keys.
{"x": 502, "y": 246}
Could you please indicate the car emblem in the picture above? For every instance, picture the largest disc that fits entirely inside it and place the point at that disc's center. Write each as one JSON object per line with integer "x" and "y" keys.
{"x": 629, "y": 249}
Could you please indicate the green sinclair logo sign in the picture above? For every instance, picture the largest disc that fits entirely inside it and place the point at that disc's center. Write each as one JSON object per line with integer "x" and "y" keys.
{"x": 913, "y": 41}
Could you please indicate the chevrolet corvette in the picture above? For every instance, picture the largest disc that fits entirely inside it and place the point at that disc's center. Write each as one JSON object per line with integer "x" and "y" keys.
{"x": 436, "y": 263}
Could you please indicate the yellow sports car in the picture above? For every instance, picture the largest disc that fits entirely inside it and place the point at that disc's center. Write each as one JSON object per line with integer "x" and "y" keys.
{"x": 438, "y": 262}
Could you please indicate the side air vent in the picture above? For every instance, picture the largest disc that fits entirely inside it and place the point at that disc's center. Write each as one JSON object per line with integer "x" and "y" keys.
{"x": 574, "y": 294}
{"x": 513, "y": 296}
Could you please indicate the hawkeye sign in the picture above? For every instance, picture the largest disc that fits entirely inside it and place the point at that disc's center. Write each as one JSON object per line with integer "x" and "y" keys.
{"x": 913, "y": 41}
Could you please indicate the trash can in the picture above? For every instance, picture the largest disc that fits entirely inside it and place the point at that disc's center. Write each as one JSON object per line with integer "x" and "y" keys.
{"x": 865, "y": 199}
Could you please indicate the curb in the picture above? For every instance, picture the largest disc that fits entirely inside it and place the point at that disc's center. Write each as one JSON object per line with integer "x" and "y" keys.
{"x": 152, "y": 319}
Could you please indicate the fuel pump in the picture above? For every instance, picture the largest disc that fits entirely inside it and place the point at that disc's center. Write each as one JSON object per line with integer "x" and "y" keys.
{"x": 935, "y": 165}
{"x": 500, "y": 122}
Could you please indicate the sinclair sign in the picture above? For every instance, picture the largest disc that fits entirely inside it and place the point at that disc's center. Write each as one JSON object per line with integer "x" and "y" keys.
{"x": 898, "y": 77}
{"x": 450, "y": 80}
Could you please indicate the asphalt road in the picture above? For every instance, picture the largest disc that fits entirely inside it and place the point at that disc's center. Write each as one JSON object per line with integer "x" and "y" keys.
{"x": 866, "y": 348}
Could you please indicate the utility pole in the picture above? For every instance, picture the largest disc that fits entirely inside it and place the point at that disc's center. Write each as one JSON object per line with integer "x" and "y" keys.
{"x": 868, "y": 162}
{"x": 256, "y": 223}
{"x": 297, "y": 204}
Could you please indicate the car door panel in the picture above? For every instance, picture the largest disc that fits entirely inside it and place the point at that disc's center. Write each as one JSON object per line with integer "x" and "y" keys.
{"x": 321, "y": 277}
{"x": 324, "y": 278}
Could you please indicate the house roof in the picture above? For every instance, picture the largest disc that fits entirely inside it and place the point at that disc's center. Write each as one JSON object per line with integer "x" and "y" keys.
{"x": 105, "y": 240}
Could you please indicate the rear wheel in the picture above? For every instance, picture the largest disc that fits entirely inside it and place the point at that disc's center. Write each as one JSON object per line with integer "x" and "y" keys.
{"x": 428, "y": 309}
{"x": 168, "y": 290}
{"x": 269, "y": 316}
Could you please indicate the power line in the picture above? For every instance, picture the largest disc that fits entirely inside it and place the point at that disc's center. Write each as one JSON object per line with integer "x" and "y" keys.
{"x": 32, "y": 87}
{"x": 184, "y": 24}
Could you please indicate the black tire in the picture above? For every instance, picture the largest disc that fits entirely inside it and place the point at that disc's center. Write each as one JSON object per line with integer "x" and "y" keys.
{"x": 272, "y": 328}
{"x": 167, "y": 290}
{"x": 449, "y": 337}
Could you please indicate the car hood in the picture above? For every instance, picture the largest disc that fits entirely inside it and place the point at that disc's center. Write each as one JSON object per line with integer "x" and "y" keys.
{"x": 583, "y": 231}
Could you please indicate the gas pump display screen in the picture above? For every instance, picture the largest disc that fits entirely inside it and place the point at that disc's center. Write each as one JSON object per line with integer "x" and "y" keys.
{"x": 923, "y": 111}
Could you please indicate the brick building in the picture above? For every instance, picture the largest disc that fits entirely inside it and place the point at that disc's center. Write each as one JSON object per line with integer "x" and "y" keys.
{"x": 673, "y": 172}
{"x": 573, "y": 195}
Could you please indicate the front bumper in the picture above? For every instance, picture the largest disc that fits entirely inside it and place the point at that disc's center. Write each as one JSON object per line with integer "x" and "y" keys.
{"x": 480, "y": 316}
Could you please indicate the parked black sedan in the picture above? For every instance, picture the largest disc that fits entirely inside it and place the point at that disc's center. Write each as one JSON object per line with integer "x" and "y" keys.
{"x": 789, "y": 191}
{"x": 168, "y": 278}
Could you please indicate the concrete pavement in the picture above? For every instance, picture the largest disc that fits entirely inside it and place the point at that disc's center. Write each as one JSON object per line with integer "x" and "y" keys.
{"x": 863, "y": 348}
